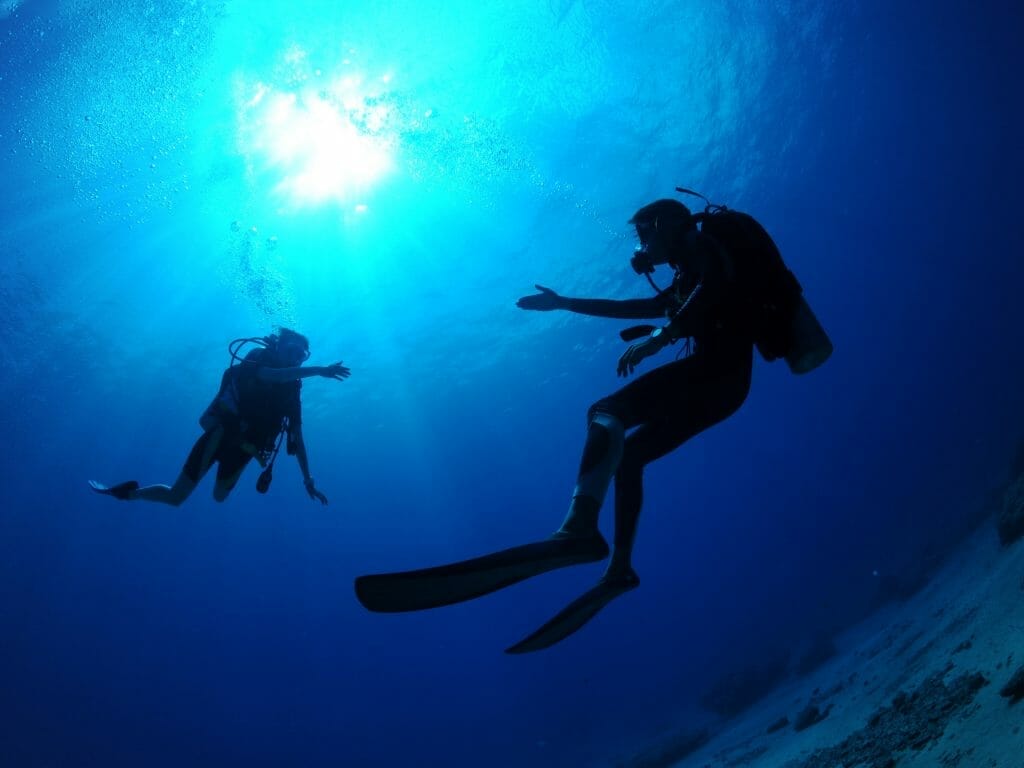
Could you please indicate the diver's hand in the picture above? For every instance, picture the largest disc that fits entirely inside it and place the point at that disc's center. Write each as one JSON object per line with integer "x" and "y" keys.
{"x": 336, "y": 371}
{"x": 313, "y": 492}
{"x": 637, "y": 352}
{"x": 544, "y": 301}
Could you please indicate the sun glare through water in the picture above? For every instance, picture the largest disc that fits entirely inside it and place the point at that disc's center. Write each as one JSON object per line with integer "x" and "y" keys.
{"x": 318, "y": 138}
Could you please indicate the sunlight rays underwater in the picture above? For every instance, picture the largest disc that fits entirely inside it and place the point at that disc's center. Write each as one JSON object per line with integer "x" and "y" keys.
{"x": 387, "y": 180}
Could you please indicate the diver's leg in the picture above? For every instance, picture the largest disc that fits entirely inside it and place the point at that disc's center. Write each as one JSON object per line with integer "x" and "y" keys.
{"x": 198, "y": 463}
{"x": 601, "y": 454}
{"x": 648, "y": 442}
{"x": 706, "y": 401}
{"x": 637, "y": 402}
{"x": 164, "y": 494}
{"x": 173, "y": 495}
{"x": 233, "y": 461}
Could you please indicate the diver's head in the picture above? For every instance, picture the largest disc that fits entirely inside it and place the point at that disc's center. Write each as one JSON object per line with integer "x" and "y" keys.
{"x": 662, "y": 227}
{"x": 288, "y": 348}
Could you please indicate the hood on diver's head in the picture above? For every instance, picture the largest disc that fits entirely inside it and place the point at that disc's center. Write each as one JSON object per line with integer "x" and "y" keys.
{"x": 288, "y": 345}
{"x": 667, "y": 217}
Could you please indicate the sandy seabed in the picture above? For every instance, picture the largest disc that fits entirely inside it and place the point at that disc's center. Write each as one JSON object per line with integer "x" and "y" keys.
{"x": 927, "y": 683}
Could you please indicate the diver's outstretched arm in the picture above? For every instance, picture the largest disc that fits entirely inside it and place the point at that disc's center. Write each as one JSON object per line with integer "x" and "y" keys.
{"x": 621, "y": 309}
{"x": 281, "y": 375}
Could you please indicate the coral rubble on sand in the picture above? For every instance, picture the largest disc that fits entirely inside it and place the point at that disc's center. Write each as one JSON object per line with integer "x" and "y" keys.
{"x": 913, "y": 721}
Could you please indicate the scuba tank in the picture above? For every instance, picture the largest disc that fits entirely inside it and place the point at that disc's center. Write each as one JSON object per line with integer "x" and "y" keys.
{"x": 224, "y": 405}
{"x": 211, "y": 417}
{"x": 225, "y": 402}
{"x": 784, "y": 324}
{"x": 809, "y": 345}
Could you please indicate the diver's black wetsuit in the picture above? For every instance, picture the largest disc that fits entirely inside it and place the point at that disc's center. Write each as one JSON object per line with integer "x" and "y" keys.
{"x": 679, "y": 400}
{"x": 250, "y": 412}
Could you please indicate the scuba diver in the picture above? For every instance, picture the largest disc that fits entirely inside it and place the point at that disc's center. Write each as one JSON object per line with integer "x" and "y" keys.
{"x": 730, "y": 292}
{"x": 258, "y": 405}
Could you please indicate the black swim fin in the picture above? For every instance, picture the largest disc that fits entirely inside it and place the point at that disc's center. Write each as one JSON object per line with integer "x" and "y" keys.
{"x": 121, "y": 491}
{"x": 468, "y": 579}
{"x": 576, "y": 614}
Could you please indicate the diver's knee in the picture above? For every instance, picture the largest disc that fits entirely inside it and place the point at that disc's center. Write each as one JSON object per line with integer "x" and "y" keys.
{"x": 603, "y": 412}
{"x": 610, "y": 422}
{"x": 181, "y": 490}
{"x": 601, "y": 406}
{"x": 220, "y": 494}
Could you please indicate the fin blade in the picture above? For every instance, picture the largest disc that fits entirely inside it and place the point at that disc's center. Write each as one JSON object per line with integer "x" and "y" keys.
{"x": 574, "y": 616}
{"x": 468, "y": 579}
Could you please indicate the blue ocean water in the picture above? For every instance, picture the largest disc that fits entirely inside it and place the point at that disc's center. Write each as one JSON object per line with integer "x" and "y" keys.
{"x": 389, "y": 179}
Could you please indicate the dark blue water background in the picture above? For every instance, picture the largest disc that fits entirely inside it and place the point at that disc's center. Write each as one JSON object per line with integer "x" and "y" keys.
{"x": 146, "y": 220}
